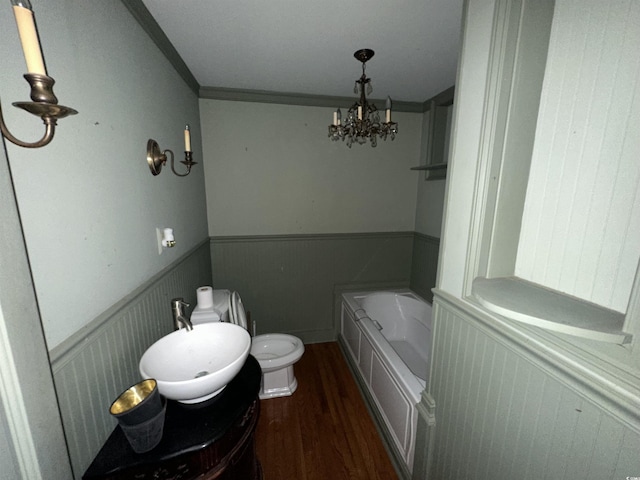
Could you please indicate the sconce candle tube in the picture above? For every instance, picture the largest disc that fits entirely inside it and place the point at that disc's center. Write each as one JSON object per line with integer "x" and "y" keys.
{"x": 187, "y": 139}
{"x": 28, "y": 36}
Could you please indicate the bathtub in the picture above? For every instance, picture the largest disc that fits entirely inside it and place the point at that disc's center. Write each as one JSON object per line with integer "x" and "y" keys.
{"x": 388, "y": 336}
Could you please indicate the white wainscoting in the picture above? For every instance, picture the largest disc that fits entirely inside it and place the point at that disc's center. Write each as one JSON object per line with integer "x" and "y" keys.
{"x": 504, "y": 411}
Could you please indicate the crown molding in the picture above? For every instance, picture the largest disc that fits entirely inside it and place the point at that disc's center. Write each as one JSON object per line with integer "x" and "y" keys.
{"x": 142, "y": 15}
{"x": 301, "y": 99}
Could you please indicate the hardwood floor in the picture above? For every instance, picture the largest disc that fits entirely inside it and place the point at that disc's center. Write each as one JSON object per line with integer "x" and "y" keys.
{"x": 323, "y": 431}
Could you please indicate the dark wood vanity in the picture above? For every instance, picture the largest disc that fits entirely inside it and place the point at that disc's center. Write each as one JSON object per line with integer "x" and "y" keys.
{"x": 211, "y": 440}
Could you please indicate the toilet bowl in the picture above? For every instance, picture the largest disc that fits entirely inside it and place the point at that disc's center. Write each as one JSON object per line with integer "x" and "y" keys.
{"x": 276, "y": 353}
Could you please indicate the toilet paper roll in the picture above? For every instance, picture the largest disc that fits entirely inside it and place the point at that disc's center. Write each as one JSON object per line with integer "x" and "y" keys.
{"x": 205, "y": 297}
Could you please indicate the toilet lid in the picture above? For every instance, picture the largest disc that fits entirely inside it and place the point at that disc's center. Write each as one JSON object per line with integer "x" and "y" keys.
{"x": 237, "y": 313}
{"x": 232, "y": 315}
{"x": 240, "y": 314}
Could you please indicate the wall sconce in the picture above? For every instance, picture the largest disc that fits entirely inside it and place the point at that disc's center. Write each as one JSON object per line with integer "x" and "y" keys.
{"x": 45, "y": 104}
{"x": 156, "y": 158}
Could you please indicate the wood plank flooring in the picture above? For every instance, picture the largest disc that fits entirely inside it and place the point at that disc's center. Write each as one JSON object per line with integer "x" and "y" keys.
{"x": 323, "y": 431}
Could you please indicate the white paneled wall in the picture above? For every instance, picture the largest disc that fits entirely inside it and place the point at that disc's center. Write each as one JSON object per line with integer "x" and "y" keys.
{"x": 500, "y": 416}
{"x": 581, "y": 224}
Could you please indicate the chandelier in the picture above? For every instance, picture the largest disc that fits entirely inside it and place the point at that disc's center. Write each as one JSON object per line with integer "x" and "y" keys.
{"x": 363, "y": 120}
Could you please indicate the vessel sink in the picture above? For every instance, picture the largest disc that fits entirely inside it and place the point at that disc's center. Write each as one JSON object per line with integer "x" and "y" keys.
{"x": 194, "y": 366}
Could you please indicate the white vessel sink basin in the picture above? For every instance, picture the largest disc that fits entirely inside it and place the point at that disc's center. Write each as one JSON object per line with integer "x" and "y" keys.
{"x": 194, "y": 366}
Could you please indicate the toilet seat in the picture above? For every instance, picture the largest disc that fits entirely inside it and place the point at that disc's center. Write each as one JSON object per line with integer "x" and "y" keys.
{"x": 276, "y": 350}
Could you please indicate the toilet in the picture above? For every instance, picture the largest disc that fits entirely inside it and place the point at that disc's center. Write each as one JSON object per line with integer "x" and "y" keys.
{"x": 275, "y": 352}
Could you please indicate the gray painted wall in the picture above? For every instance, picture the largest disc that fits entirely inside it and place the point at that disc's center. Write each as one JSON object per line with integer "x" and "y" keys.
{"x": 429, "y": 194}
{"x": 88, "y": 203}
{"x": 424, "y": 264}
{"x": 272, "y": 170}
{"x": 429, "y": 206}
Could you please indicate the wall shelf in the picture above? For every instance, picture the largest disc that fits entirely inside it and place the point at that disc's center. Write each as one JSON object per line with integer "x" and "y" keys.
{"x": 434, "y": 171}
{"x": 529, "y": 303}
{"x": 439, "y": 166}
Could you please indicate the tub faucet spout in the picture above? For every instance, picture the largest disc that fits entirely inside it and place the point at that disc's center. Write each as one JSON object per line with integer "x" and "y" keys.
{"x": 179, "y": 319}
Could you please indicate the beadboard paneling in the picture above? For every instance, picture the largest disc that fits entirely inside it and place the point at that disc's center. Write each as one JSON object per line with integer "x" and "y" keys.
{"x": 424, "y": 265}
{"x": 287, "y": 282}
{"x": 8, "y": 461}
{"x": 99, "y": 362}
{"x": 581, "y": 223}
{"x": 500, "y": 416}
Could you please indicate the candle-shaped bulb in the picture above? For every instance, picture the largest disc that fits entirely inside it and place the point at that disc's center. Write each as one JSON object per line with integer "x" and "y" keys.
{"x": 168, "y": 240}
{"x": 359, "y": 112}
{"x": 28, "y": 36}
{"x": 187, "y": 139}
{"x": 339, "y": 116}
{"x": 388, "y": 110}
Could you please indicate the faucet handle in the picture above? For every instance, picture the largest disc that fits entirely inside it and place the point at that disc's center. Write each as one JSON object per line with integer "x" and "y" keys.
{"x": 177, "y": 302}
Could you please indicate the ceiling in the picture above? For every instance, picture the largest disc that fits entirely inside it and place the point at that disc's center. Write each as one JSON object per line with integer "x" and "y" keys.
{"x": 307, "y": 47}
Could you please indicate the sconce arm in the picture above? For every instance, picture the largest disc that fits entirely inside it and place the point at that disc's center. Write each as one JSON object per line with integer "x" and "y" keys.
{"x": 50, "y": 130}
{"x": 188, "y": 161}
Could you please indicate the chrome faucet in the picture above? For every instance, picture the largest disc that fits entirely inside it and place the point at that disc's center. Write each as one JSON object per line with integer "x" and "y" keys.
{"x": 179, "y": 319}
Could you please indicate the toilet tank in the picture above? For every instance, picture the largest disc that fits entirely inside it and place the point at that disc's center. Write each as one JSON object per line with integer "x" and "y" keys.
{"x": 219, "y": 311}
